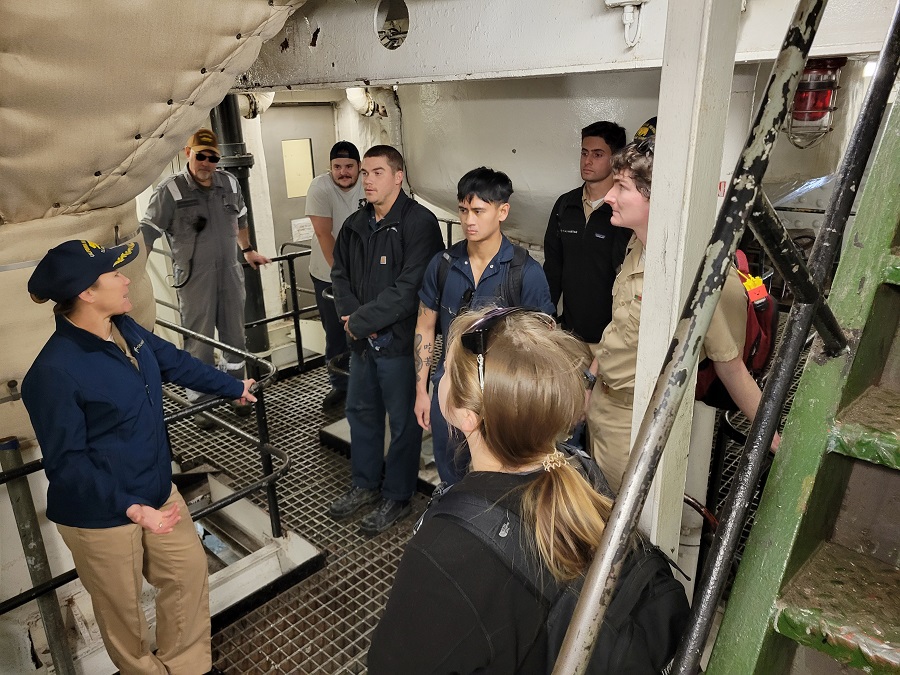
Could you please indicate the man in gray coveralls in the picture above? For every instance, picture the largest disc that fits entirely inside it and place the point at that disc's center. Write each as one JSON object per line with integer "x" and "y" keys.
{"x": 202, "y": 213}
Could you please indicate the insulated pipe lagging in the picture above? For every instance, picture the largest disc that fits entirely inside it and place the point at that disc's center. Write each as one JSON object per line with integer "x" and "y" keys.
{"x": 251, "y": 106}
{"x": 362, "y": 101}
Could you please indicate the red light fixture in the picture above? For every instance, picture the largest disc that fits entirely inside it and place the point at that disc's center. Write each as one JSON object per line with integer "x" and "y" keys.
{"x": 815, "y": 102}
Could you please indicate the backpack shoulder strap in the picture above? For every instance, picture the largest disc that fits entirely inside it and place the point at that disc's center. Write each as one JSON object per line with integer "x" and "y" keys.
{"x": 442, "y": 274}
{"x": 511, "y": 286}
{"x": 499, "y": 529}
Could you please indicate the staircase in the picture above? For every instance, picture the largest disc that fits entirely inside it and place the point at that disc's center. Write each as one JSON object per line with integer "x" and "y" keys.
{"x": 821, "y": 565}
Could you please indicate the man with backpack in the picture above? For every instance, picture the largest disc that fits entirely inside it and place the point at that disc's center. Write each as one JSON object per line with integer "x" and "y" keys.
{"x": 379, "y": 259}
{"x": 484, "y": 269}
{"x": 610, "y": 407}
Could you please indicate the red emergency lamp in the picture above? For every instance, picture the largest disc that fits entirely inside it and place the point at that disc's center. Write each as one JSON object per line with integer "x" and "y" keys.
{"x": 815, "y": 102}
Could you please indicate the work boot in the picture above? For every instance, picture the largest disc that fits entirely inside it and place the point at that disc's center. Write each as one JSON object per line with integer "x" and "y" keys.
{"x": 242, "y": 409}
{"x": 203, "y": 422}
{"x": 334, "y": 400}
{"x": 352, "y": 502}
{"x": 387, "y": 513}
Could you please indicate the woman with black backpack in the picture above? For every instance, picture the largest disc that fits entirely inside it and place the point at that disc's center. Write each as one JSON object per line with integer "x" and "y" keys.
{"x": 493, "y": 555}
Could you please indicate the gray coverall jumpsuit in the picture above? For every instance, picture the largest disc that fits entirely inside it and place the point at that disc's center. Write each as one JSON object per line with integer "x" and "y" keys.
{"x": 201, "y": 226}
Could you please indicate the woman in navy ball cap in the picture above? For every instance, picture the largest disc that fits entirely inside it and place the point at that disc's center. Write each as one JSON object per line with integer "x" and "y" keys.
{"x": 94, "y": 395}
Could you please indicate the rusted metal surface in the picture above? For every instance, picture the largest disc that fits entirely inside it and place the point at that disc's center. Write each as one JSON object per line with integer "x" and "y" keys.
{"x": 869, "y": 428}
{"x": 847, "y": 605}
{"x": 39, "y": 570}
{"x": 778, "y": 245}
{"x": 800, "y": 319}
{"x": 682, "y": 356}
{"x": 799, "y": 506}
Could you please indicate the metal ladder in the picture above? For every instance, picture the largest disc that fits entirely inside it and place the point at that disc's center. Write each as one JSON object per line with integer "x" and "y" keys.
{"x": 796, "y": 585}
{"x": 745, "y": 204}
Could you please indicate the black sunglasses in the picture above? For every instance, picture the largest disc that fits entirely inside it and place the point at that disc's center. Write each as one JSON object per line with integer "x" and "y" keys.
{"x": 203, "y": 157}
{"x": 646, "y": 146}
{"x": 475, "y": 338}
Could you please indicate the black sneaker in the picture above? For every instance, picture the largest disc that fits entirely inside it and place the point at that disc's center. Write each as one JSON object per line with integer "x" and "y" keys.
{"x": 352, "y": 502}
{"x": 334, "y": 399}
{"x": 382, "y": 518}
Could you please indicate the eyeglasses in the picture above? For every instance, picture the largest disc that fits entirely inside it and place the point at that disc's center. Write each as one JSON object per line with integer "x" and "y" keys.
{"x": 475, "y": 339}
{"x": 203, "y": 157}
{"x": 646, "y": 146}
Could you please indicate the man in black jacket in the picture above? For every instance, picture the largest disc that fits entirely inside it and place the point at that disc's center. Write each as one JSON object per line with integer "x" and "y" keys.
{"x": 379, "y": 260}
{"x": 582, "y": 249}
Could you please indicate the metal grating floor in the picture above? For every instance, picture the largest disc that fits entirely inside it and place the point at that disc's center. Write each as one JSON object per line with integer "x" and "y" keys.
{"x": 324, "y": 623}
{"x": 734, "y": 450}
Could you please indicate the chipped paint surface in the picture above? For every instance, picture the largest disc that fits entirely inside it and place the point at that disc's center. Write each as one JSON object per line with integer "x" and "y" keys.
{"x": 847, "y": 605}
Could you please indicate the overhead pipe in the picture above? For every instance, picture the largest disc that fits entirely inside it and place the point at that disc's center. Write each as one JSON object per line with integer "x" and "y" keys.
{"x": 226, "y": 122}
{"x": 362, "y": 101}
{"x": 674, "y": 379}
{"x": 762, "y": 431}
{"x": 252, "y": 105}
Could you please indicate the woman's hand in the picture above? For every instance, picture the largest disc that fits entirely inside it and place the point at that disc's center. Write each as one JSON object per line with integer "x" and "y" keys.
{"x": 154, "y": 520}
{"x": 247, "y": 397}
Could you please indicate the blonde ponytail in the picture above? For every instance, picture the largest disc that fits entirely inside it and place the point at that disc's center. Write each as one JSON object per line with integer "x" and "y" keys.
{"x": 533, "y": 393}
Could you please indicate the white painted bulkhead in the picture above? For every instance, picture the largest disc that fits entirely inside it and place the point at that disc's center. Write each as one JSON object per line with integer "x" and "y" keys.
{"x": 509, "y": 87}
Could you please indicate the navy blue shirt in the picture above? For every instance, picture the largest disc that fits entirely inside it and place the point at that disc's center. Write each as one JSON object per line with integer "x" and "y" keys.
{"x": 535, "y": 291}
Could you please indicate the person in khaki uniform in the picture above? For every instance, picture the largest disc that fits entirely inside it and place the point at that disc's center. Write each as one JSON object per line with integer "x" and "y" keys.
{"x": 609, "y": 409}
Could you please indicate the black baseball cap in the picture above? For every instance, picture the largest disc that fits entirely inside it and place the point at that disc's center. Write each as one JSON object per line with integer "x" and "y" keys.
{"x": 344, "y": 149}
{"x": 75, "y": 265}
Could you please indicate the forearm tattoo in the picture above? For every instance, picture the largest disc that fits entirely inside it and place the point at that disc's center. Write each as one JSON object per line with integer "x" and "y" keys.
{"x": 422, "y": 364}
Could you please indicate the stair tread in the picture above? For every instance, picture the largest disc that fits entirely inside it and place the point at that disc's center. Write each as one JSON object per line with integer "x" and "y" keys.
{"x": 869, "y": 428}
{"x": 847, "y": 605}
{"x": 892, "y": 273}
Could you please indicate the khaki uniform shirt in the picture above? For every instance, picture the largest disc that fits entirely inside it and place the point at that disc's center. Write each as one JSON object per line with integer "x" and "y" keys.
{"x": 617, "y": 352}
{"x": 588, "y": 206}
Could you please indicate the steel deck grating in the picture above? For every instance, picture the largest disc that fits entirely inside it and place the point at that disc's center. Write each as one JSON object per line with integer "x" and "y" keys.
{"x": 324, "y": 623}
{"x": 734, "y": 450}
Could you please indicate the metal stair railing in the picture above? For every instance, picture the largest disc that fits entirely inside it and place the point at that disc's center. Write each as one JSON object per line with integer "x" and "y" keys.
{"x": 741, "y": 199}
{"x": 802, "y": 315}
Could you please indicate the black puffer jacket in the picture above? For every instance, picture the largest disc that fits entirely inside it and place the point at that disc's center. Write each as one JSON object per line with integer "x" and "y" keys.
{"x": 377, "y": 272}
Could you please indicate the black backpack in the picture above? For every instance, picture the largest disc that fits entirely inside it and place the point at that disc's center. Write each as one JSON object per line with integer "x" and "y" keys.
{"x": 645, "y": 620}
{"x": 510, "y": 285}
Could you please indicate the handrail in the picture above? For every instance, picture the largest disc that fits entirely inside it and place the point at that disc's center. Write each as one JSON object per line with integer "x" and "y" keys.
{"x": 762, "y": 430}
{"x": 268, "y": 481}
{"x": 681, "y": 359}
{"x": 296, "y": 311}
{"x": 60, "y": 580}
{"x": 262, "y": 425}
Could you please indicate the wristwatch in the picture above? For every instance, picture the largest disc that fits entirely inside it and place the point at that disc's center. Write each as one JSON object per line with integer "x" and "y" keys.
{"x": 247, "y": 250}
{"x": 589, "y": 379}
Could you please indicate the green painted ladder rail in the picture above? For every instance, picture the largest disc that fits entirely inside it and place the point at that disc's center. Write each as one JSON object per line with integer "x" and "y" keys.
{"x": 821, "y": 564}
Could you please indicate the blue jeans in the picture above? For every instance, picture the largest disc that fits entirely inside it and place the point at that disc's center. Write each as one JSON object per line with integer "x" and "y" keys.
{"x": 380, "y": 384}
{"x": 335, "y": 337}
{"x": 451, "y": 453}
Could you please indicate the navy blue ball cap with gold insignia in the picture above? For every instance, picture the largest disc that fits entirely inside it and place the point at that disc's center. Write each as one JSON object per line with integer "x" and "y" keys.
{"x": 647, "y": 130}
{"x": 75, "y": 265}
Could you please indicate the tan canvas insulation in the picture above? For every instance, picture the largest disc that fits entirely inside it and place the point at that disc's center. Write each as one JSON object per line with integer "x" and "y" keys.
{"x": 95, "y": 98}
